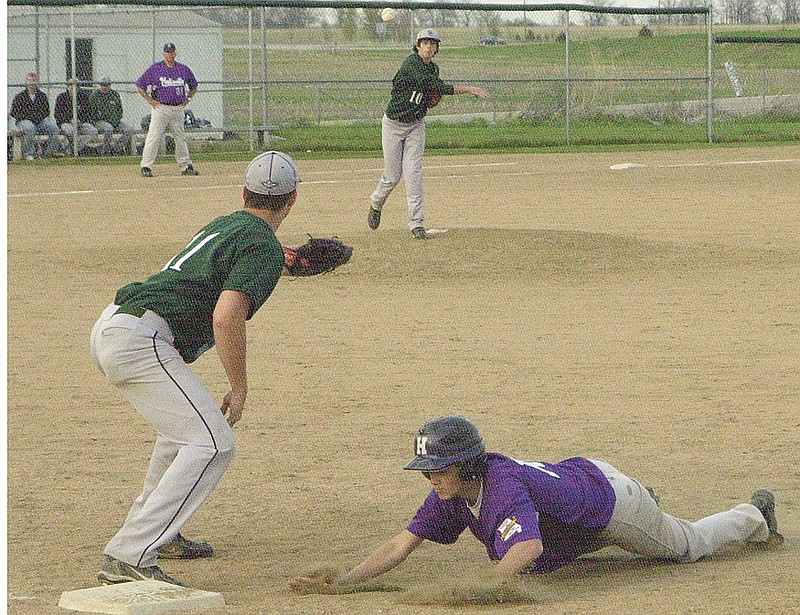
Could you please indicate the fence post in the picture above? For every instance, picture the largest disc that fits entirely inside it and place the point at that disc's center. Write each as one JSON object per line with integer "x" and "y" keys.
{"x": 264, "y": 86}
{"x": 569, "y": 85}
{"x": 37, "y": 52}
{"x": 250, "y": 102}
{"x": 710, "y": 73}
{"x": 319, "y": 104}
{"x": 74, "y": 79}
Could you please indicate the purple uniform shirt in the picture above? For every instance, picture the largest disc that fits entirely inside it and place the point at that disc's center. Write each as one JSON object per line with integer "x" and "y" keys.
{"x": 566, "y": 505}
{"x": 169, "y": 86}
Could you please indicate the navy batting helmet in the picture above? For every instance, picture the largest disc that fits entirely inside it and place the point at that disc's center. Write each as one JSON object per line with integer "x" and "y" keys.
{"x": 447, "y": 441}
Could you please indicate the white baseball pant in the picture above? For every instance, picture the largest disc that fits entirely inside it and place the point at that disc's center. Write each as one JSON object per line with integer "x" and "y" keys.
{"x": 403, "y": 148}
{"x": 639, "y": 526}
{"x": 166, "y": 118}
{"x": 194, "y": 445}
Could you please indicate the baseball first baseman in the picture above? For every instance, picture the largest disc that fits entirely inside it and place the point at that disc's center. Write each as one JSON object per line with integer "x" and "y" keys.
{"x": 535, "y": 517}
{"x": 415, "y": 88}
{"x": 145, "y": 340}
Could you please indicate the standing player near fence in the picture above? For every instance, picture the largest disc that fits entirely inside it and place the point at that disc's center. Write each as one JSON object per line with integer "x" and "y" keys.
{"x": 415, "y": 88}
{"x": 172, "y": 85}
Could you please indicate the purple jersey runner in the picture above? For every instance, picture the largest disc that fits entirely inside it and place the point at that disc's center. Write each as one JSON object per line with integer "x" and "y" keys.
{"x": 169, "y": 85}
{"x": 566, "y": 505}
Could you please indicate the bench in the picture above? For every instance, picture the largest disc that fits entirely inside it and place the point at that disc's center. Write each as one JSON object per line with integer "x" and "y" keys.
{"x": 16, "y": 143}
{"x": 264, "y": 137}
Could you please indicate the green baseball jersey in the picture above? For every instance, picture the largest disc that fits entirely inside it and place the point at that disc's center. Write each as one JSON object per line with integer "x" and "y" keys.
{"x": 106, "y": 106}
{"x": 412, "y": 82}
{"x": 234, "y": 252}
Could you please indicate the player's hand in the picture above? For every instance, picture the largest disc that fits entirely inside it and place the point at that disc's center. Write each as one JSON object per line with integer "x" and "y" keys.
{"x": 308, "y": 585}
{"x": 232, "y": 408}
{"x": 479, "y": 92}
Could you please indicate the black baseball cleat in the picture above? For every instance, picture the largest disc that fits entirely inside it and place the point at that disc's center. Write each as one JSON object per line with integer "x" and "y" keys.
{"x": 147, "y": 172}
{"x": 374, "y": 218}
{"x": 189, "y": 170}
{"x": 183, "y": 548}
{"x": 765, "y": 502}
{"x": 419, "y": 233}
{"x": 115, "y": 571}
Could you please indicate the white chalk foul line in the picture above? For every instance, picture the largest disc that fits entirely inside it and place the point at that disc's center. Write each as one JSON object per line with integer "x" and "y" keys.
{"x": 635, "y": 165}
{"x": 27, "y": 195}
{"x": 349, "y": 180}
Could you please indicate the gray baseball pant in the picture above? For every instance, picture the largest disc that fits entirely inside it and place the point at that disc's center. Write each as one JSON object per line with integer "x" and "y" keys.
{"x": 639, "y": 526}
{"x": 107, "y": 130}
{"x": 194, "y": 445}
{"x": 86, "y": 132}
{"x": 162, "y": 119}
{"x": 403, "y": 148}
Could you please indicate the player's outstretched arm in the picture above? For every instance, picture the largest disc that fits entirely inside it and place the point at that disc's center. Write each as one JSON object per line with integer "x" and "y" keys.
{"x": 519, "y": 556}
{"x": 386, "y": 557}
{"x": 389, "y": 555}
{"x": 470, "y": 89}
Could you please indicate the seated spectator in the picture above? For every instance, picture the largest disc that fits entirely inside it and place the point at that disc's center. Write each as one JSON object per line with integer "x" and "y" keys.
{"x": 31, "y": 110}
{"x": 11, "y": 125}
{"x": 105, "y": 107}
{"x": 63, "y": 115}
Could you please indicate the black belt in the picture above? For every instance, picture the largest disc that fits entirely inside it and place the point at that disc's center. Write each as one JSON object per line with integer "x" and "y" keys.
{"x": 173, "y": 105}
{"x": 133, "y": 310}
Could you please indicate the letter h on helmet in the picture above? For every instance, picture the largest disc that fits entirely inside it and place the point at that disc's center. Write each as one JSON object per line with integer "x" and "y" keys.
{"x": 447, "y": 441}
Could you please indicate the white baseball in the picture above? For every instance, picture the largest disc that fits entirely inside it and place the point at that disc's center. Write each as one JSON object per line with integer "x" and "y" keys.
{"x": 388, "y": 15}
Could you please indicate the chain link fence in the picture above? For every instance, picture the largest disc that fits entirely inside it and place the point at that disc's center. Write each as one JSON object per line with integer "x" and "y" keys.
{"x": 265, "y": 69}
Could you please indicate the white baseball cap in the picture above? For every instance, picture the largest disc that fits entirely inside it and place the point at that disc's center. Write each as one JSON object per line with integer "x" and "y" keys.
{"x": 272, "y": 173}
{"x": 429, "y": 33}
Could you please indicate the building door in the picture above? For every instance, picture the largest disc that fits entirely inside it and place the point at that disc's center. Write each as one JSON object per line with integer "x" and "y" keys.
{"x": 83, "y": 59}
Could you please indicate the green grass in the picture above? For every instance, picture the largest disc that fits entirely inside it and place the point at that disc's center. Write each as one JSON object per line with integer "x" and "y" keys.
{"x": 304, "y": 110}
{"x": 516, "y": 136}
{"x": 522, "y": 76}
{"x": 591, "y": 135}
{"x": 479, "y": 137}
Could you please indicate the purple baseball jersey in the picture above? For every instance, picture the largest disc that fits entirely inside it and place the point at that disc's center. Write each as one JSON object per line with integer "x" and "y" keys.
{"x": 565, "y": 504}
{"x": 169, "y": 85}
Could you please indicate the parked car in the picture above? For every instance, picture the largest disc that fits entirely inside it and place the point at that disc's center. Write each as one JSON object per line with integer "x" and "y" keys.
{"x": 493, "y": 40}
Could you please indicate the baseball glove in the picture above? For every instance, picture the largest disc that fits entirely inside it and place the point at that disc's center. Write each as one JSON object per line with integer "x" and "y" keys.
{"x": 317, "y": 255}
{"x": 320, "y": 581}
{"x": 432, "y": 99}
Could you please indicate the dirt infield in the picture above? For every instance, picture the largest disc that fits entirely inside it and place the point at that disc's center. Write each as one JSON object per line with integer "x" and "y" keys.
{"x": 648, "y": 315}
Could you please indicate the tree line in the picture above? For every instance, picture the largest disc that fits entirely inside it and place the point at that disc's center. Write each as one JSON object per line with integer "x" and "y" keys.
{"x": 351, "y": 20}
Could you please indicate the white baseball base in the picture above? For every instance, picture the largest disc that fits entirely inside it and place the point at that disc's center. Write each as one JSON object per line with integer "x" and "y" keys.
{"x": 626, "y": 165}
{"x": 435, "y": 231}
{"x": 139, "y": 598}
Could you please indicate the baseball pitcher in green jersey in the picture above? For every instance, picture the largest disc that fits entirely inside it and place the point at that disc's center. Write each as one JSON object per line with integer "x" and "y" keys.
{"x": 145, "y": 340}
{"x": 414, "y": 87}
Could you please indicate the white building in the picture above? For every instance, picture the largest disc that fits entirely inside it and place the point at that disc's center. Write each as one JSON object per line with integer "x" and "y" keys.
{"x": 118, "y": 42}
